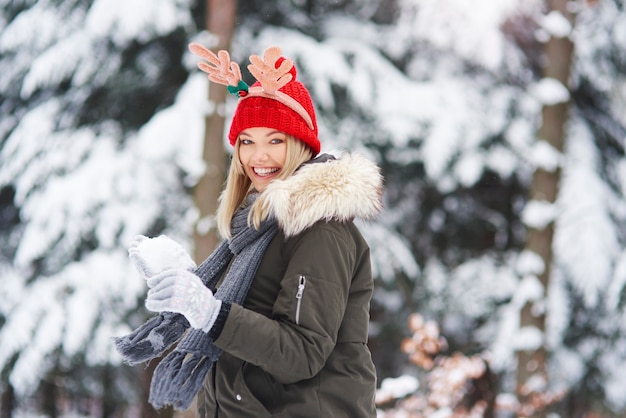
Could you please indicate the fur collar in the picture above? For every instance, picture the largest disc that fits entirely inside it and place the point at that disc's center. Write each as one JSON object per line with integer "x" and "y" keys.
{"x": 340, "y": 189}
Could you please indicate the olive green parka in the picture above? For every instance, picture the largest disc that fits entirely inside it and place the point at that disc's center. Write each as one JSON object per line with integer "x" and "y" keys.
{"x": 297, "y": 345}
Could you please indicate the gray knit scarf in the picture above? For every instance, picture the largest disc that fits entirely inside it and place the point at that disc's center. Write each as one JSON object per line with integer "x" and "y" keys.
{"x": 179, "y": 376}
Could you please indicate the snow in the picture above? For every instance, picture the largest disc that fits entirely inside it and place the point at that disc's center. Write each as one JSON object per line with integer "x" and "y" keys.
{"x": 20, "y": 32}
{"x": 34, "y": 356}
{"x": 618, "y": 282}
{"x": 469, "y": 169}
{"x": 536, "y": 383}
{"x": 206, "y": 224}
{"x": 81, "y": 314}
{"x": 173, "y": 134}
{"x": 501, "y": 348}
{"x": 556, "y": 24}
{"x": 528, "y": 339}
{"x": 529, "y": 262}
{"x": 567, "y": 367}
{"x": 529, "y": 289}
{"x": 393, "y": 255}
{"x": 586, "y": 221}
{"x": 477, "y": 38}
{"x": 545, "y": 156}
{"x": 502, "y": 161}
{"x": 469, "y": 282}
{"x": 550, "y": 91}
{"x": 138, "y": 19}
{"x": 159, "y": 254}
{"x": 615, "y": 380}
{"x": 55, "y": 64}
{"x": 397, "y": 387}
{"x": 538, "y": 214}
{"x": 72, "y": 183}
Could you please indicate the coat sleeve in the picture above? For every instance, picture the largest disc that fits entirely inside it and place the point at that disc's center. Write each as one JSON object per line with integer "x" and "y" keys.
{"x": 295, "y": 343}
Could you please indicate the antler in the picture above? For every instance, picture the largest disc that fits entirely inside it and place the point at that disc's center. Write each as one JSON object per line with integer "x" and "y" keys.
{"x": 222, "y": 71}
{"x": 220, "y": 68}
{"x": 265, "y": 71}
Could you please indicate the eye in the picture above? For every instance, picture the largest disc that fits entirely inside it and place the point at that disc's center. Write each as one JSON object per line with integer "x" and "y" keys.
{"x": 245, "y": 141}
{"x": 277, "y": 140}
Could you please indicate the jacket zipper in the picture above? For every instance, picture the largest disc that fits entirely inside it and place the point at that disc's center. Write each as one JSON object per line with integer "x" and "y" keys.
{"x": 301, "y": 284}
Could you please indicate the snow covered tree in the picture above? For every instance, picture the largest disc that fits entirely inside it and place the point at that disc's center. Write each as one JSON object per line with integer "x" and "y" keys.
{"x": 98, "y": 143}
{"x": 473, "y": 288}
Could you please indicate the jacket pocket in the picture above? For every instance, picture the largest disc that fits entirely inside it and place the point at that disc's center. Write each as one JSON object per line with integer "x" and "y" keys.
{"x": 299, "y": 296}
{"x": 248, "y": 405}
{"x": 263, "y": 387}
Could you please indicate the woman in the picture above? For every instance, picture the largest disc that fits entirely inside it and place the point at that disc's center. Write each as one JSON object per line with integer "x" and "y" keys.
{"x": 279, "y": 312}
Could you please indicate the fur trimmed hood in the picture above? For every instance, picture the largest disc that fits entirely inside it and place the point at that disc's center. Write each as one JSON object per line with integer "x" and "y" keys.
{"x": 347, "y": 187}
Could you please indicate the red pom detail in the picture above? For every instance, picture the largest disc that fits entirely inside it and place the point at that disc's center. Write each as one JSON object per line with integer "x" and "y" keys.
{"x": 242, "y": 93}
{"x": 293, "y": 71}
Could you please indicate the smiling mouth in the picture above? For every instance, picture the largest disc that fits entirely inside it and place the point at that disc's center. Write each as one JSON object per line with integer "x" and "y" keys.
{"x": 263, "y": 172}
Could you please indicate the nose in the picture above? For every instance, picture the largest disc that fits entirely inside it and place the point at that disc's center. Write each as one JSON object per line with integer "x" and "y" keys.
{"x": 260, "y": 154}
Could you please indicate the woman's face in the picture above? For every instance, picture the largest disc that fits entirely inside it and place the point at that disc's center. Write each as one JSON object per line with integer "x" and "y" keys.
{"x": 262, "y": 152}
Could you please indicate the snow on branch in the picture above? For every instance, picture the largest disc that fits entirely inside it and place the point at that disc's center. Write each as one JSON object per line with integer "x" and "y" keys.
{"x": 556, "y": 24}
{"x": 539, "y": 214}
{"x": 550, "y": 91}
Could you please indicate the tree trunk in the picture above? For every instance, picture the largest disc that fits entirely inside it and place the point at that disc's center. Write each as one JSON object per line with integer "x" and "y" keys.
{"x": 49, "y": 395}
{"x": 147, "y": 410}
{"x": 557, "y": 60}
{"x": 108, "y": 399}
{"x": 220, "y": 21}
{"x": 7, "y": 402}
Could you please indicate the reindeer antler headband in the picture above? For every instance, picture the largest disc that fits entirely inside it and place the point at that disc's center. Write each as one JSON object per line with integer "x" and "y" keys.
{"x": 221, "y": 70}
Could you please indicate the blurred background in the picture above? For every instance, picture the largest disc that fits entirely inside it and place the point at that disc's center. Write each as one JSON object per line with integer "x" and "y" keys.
{"x": 500, "y": 126}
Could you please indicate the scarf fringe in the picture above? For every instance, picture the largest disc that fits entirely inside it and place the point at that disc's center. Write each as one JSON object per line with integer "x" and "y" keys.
{"x": 177, "y": 379}
{"x": 152, "y": 338}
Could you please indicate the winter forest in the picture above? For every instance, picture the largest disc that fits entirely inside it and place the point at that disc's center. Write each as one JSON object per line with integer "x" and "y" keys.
{"x": 500, "y": 128}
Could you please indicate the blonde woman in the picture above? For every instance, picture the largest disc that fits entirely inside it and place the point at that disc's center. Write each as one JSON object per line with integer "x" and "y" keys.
{"x": 275, "y": 322}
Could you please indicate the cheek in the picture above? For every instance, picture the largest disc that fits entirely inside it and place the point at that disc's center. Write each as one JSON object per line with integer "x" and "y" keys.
{"x": 243, "y": 156}
{"x": 242, "y": 163}
{"x": 281, "y": 156}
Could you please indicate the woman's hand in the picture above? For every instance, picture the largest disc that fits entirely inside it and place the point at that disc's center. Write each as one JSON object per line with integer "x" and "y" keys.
{"x": 178, "y": 290}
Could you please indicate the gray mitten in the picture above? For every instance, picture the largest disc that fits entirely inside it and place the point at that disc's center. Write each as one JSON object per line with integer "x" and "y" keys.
{"x": 178, "y": 290}
{"x": 155, "y": 255}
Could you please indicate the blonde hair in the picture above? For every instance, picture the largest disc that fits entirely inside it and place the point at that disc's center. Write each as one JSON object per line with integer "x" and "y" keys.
{"x": 238, "y": 185}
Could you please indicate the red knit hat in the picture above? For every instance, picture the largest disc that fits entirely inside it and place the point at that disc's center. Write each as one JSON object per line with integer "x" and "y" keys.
{"x": 277, "y": 100}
